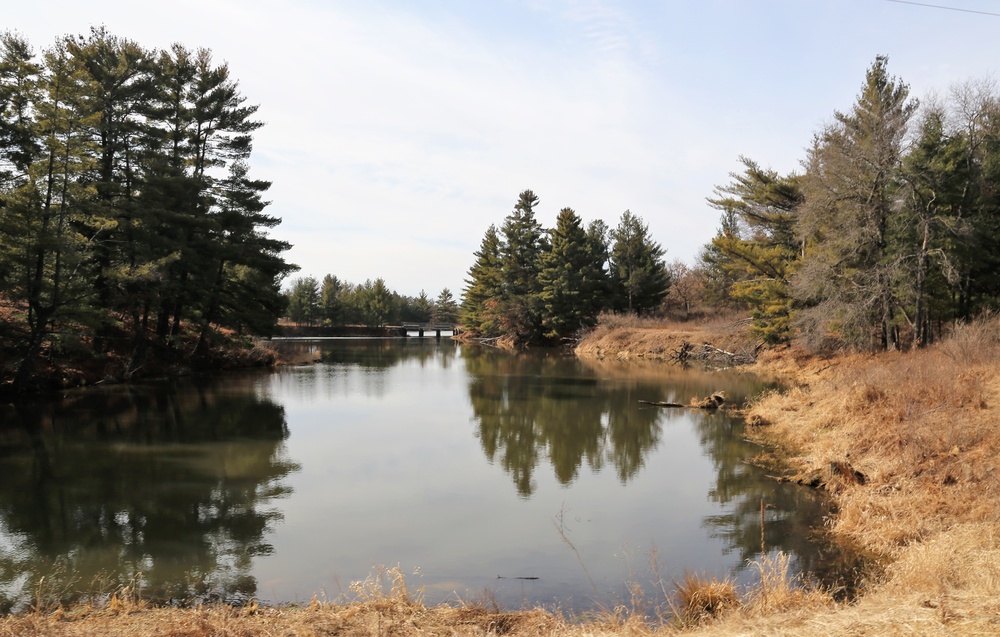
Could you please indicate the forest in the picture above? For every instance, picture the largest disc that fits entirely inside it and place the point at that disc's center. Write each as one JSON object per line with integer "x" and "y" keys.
{"x": 888, "y": 234}
{"x": 130, "y": 226}
{"x": 333, "y": 302}
{"x": 129, "y": 220}
{"x": 528, "y": 286}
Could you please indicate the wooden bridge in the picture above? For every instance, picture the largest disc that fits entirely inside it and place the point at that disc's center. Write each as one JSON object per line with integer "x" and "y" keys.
{"x": 423, "y": 329}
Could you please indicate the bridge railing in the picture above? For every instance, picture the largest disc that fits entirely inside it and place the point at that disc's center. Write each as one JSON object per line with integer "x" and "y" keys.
{"x": 420, "y": 328}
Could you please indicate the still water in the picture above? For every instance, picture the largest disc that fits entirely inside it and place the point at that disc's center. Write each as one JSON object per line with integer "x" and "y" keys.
{"x": 469, "y": 468}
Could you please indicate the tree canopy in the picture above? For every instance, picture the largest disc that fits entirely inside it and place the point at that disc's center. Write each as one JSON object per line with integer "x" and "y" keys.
{"x": 534, "y": 286}
{"x": 127, "y": 204}
{"x": 888, "y": 233}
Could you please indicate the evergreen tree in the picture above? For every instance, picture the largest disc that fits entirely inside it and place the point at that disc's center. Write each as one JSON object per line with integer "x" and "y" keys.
{"x": 330, "y": 303}
{"x": 47, "y": 212}
{"x": 376, "y": 303}
{"x": 116, "y": 76}
{"x": 852, "y": 265}
{"x": 423, "y": 308}
{"x": 569, "y": 279}
{"x": 19, "y": 77}
{"x": 721, "y": 272}
{"x": 523, "y": 245}
{"x": 303, "y": 304}
{"x": 126, "y": 193}
{"x": 599, "y": 252}
{"x": 638, "y": 272}
{"x": 480, "y": 300}
{"x": 972, "y": 165}
{"x": 758, "y": 249}
{"x": 240, "y": 247}
{"x": 445, "y": 309}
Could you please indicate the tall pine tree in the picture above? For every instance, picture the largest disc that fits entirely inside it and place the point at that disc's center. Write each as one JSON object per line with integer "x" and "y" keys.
{"x": 569, "y": 279}
{"x": 638, "y": 273}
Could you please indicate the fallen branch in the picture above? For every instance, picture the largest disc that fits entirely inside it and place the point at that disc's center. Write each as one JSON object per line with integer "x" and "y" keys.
{"x": 715, "y": 401}
{"x": 708, "y": 354}
{"x": 662, "y": 404}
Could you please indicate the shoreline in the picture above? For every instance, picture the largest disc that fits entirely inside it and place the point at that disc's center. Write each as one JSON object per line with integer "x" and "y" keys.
{"x": 907, "y": 446}
{"x": 904, "y": 443}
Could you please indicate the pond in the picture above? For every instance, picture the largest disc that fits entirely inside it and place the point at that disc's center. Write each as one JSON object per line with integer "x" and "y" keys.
{"x": 524, "y": 480}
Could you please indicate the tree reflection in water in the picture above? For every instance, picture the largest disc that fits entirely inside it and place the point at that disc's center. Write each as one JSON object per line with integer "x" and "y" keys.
{"x": 791, "y": 513}
{"x": 527, "y": 407}
{"x": 178, "y": 481}
{"x": 171, "y": 480}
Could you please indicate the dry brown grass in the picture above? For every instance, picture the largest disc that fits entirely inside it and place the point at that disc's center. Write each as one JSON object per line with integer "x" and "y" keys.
{"x": 382, "y": 606}
{"x": 909, "y": 445}
{"x": 700, "y": 598}
{"x": 628, "y": 337}
{"x": 920, "y": 427}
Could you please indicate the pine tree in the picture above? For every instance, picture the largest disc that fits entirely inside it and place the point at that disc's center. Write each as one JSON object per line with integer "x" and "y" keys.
{"x": 116, "y": 77}
{"x": 568, "y": 278}
{"x": 303, "y": 301}
{"x": 599, "y": 253}
{"x": 376, "y": 303}
{"x": 484, "y": 286}
{"x": 851, "y": 265}
{"x": 638, "y": 272}
{"x": 445, "y": 308}
{"x": 523, "y": 245}
{"x": 126, "y": 193}
{"x": 330, "y": 303}
{"x": 48, "y": 212}
{"x": 758, "y": 249}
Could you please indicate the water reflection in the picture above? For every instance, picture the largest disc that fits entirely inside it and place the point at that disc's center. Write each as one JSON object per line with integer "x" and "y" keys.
{"x": 175, "y": 482}
{"x": 531, "y": 405}
{"x": 574, "y": 413}
{"x": 186, "y": 482}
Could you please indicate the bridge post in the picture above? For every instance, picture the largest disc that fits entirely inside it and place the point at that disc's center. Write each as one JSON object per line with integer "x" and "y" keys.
{"x": 420, "y": 332}
{"x": 437, "y": 333}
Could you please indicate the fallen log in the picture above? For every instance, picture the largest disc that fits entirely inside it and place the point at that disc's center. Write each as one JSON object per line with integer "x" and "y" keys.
{"x": 662, "y": 404}
{"x": 715, "y": 401}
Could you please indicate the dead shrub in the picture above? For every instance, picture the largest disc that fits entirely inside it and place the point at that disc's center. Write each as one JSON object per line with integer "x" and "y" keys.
{"x": 698, "y": 598}
{"x": 974, "y": 342}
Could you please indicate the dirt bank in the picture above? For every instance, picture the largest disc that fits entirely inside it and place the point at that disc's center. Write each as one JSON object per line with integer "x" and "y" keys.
{"x": 630, "y": 338}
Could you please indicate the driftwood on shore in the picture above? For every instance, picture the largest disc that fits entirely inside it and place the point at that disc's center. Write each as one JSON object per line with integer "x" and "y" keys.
{"x": 708, "y": 354}
{"x": 715, "y": 401}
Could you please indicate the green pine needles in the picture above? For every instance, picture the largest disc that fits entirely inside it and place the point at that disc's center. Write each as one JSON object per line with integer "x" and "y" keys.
{"x": 534, "y": 286}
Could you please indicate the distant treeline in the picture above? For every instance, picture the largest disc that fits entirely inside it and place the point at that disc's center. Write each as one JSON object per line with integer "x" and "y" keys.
{"x": 127, "y": 209}
{"x": 334, "y": 302}
{"x": 890, "y": 232}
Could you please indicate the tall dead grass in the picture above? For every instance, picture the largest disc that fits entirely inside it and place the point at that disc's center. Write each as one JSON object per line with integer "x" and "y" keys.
{"x": 909, "y": 445}
{"x": 630, "y": 337}
{"x": 920, "y": 428}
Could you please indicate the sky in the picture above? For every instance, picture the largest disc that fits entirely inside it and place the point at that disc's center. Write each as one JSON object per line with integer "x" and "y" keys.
{"x": 397, "y": 132}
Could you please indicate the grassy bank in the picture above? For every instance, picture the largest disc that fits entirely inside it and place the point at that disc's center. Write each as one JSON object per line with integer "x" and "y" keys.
{"x": 908, "y": 445}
